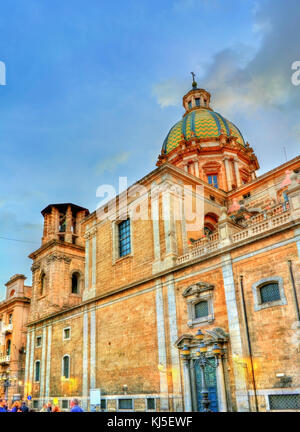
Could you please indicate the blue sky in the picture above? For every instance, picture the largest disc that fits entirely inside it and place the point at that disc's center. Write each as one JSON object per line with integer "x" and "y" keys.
{"x": 93, "y": 88}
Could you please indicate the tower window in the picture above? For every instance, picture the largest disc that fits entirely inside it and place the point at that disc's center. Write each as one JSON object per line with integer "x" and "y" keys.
{"x": 190, "y": 104}
{"x": 39, "y": 341}
{"x": 269, "y": 292}
{"x": 201, "y": 309}
{"x": 213, "y": 180}
{"x": 197, "y": 101}
{"x": 42, "y": 283}
{"x": 8, "y": 347}
{"x": 37, "y": 371}
{"x": 10, "y": 318}
{"x": 67, "y": 333}
{"x": 75, "y": 283}
{"x": 124, "y": 238}
{"x": 66, "y": 367}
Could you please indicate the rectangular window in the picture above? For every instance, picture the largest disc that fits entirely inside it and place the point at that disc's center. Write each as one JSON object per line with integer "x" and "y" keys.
{"x": 103, "y": 404}
{"x": 190, "y": 105}
{"x": 197, "y": 100}
{"x": 150, "y": 404}
{"x": 213, "y": 180}
{"x": 269, "y": 293}
{"x": 39, "y": 341}
{"x": 124, "y": 238}
{"x": 284, "y": 402}
{"x": 66, "y": 367}
{"x": 126, "y": 404}
{"x": 10, "y": 319}
{"x": 65, "y": 404}
{"x": 201, "y": 309}
{"x": 67, "y": 333}
{"x": 35, "y": 404}
{"x": 37, "y": 371}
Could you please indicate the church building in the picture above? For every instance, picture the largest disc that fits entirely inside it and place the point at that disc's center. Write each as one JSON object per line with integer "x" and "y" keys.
{"x": 179, "y": 294}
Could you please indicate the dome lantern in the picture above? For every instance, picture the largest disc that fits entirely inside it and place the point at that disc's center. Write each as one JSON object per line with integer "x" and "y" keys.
{"x": 196, "y": 98}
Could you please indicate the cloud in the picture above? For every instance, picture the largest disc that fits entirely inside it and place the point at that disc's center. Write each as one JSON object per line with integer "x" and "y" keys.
{"x": 110, "y": 164}
{"x": 169, "y": 92}
{"x": 241, "y": 78}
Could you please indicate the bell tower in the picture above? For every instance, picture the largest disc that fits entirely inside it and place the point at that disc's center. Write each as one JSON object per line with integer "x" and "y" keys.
{"x": 58, "y": 265}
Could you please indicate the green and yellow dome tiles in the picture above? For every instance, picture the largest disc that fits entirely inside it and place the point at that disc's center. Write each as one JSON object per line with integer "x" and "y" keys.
{"x": 201, "y": 123}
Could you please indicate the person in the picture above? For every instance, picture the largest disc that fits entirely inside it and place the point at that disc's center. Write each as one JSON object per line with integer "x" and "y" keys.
{"x": 44, "y": 408}
{"x": 15, "y": 407}
{"x": 56, "y": 409}
{"x": 24, "y": 407}
{"x": 75, "y": 406}
{"x": 2, "y": 406}
{"x": 49, "y": 407}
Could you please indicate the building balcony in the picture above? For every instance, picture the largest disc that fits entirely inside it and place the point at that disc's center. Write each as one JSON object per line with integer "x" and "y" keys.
{"x": 230, "y": 234}
{"x": 8, "y": 328}
{"x": 4, "y": 359}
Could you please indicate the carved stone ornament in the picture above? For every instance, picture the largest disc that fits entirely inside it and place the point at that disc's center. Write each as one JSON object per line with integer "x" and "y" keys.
{"x": 57, "y": 257}
{"x": 35, "y": 266}
{"x": 197, "y": 288}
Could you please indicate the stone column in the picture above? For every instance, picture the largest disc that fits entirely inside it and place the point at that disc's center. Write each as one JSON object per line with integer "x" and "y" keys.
{"x": 43, "y": 366}
{"x": 155, "y": 227}
{"x": 193, "y": 386}
{"x": 237, "y": 172}
{"x": 86, "y": 267}
{"x": 93, "y": 366}
{"x": 26, "y": 389}
{"x": 196, "y": 167}
{"x": 228, "y": 173}
{"x": 31, "y": 364}
{"x": 176, "y": 378}
{"x": 187, "y": 386}
{"x": 239, "y": 365}
{"x": 221, "y": 387}
{"x": 161, "y": 342}
{"x": 48, "y": 363}
{"x": 169, "y": 228}
{"x": 293, "y": 194}
{"x": 68, "y": 233}
{"x": 85, "y": 360}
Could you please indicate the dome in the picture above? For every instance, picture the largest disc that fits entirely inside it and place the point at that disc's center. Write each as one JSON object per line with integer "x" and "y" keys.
{"x": 202, "y": 123}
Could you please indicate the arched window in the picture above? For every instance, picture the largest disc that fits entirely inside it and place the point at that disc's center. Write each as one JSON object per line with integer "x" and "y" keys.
{"x": 37, "y": 371}
{"x": 42, "y": 283}
{"x": 75, "y": 283}
{"x": 8, "y": 347}
{"x": 66, "y": 367}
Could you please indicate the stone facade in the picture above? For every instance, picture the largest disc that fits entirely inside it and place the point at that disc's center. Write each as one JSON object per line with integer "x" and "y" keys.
{"x": 124, "y": 327}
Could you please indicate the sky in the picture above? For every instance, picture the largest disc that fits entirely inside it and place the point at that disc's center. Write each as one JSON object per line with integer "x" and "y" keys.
{"x": 92, "y": 89}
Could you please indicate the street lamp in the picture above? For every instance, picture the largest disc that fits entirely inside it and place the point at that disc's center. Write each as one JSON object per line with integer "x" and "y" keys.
{"x": 203, "y": 359}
